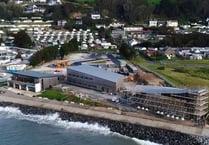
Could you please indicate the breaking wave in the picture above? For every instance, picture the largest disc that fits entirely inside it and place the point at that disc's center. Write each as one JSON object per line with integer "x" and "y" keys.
{"x": 55, "y": 120}
{"x": 138, "y": 141}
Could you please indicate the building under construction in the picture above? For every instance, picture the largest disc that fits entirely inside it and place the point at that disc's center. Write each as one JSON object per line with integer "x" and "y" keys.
{"x": 171, "y": 102}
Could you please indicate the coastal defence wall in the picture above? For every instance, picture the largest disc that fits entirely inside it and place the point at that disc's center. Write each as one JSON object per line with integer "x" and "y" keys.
{"x": 126, "y": 125}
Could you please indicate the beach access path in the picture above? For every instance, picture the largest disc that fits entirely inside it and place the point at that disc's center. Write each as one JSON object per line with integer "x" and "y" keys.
{"x": 105, "y": 113}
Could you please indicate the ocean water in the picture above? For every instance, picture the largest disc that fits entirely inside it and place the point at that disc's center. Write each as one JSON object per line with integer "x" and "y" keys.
{"x": 17, "y": 128}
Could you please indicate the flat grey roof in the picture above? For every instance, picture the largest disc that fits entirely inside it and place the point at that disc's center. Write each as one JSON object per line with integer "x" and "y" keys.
{"x": 36, "y": 74}
{"x": 97, "y": 72}
{"x": 157, "y": 90}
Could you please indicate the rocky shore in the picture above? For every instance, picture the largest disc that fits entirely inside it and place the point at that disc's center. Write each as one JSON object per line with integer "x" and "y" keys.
{"x": 160, "y": 136}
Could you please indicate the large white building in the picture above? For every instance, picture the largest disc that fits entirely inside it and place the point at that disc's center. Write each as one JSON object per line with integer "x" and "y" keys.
{"x": 34, "y": 81}
{"x": 172, "y": 23}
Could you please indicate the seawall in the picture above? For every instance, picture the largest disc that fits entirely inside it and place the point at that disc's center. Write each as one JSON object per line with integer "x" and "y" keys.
{"x": 145, "y": 133}
{"x": 119, "y": 125}
{"x": 115, "y": 115}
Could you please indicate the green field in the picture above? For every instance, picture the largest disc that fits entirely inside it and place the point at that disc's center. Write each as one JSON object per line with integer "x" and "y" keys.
{"x": 60, "y": 96}
{"x": 53, "y": 95}
{"x": 182, "y": 73}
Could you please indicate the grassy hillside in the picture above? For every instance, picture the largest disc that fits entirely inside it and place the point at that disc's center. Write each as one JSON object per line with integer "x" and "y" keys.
{"x": 128, "y": 10}
{"x": 182, "y": 73}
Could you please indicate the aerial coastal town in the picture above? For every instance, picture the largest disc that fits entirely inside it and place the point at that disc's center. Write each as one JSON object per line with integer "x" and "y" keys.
{"x": 157, "y": 69}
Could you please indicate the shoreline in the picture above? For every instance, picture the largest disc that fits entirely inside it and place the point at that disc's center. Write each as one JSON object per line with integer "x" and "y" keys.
{"x": 114, "y": 120}
{"x": 160, "y": 136}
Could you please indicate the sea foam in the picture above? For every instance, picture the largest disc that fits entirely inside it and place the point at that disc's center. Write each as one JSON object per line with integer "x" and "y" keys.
{"x": 55, "y": 120}
{"x": 138, "y": 141}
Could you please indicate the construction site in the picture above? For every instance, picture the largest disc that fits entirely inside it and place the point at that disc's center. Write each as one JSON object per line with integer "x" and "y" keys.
{"x": 172, "y": 103}
{"x": 152, "y": 95}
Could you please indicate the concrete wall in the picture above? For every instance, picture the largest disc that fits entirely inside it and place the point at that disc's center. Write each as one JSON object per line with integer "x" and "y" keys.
{"x": 38, "y": 87}
{"x": 49, "y": 82}
{"x": 106, "y": 114}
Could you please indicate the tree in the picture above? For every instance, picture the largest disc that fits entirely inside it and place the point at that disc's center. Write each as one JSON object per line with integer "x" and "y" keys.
{"x": 127, "y": 51}
{"x": 186, "y": 40}
{"x": 22, "y": 39}
{"x": 63, "y": 50}
{"x": 36, "y": 58}
{"x": 73, "y": 44}
{"x": 66, "y": 48}
{"x": 10, "y": 11}
{"x": 44, "y": 55}
{"x": 146, "y": 44}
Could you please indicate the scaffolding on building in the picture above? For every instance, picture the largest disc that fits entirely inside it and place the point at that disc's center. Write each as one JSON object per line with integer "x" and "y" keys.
{"x": 179, "y": 104}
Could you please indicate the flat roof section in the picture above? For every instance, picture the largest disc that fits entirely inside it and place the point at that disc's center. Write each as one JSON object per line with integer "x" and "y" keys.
{"x": 97, "y": 72}
{"x": 36, "y": 74}
{"x": 157, "y": 90}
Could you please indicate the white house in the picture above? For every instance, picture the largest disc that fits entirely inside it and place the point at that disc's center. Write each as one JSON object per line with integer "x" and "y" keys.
{"x": 133, "y": 29}
{"x": 19, "y": 1}
{"x": 34, "y": 9}
{"x": 39, "y": 1}
{"x": 172, "y": 23}
{"x": 116, "y": 25}
{"x": 98, "y": 26}
{"x": 61, "y": 23}
{"x": 196, "y": 57}
{"x": 95, "y": 16}
{"x": 153, "y": 23}
{"x": 106, "y": 45}
{"x": 133, "y": 42}
{"x": 54, "y": 2}
{"x": 84, "y": 46}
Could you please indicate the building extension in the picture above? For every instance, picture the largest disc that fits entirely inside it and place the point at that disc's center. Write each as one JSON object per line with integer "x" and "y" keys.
{"x": 34, "y": 81}
{"x": 174, "y": 103}
{"x": 94, "y": 78}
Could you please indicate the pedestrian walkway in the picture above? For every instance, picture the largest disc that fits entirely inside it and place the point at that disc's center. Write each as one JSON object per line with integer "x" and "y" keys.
{"x": 23, "y": 92}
